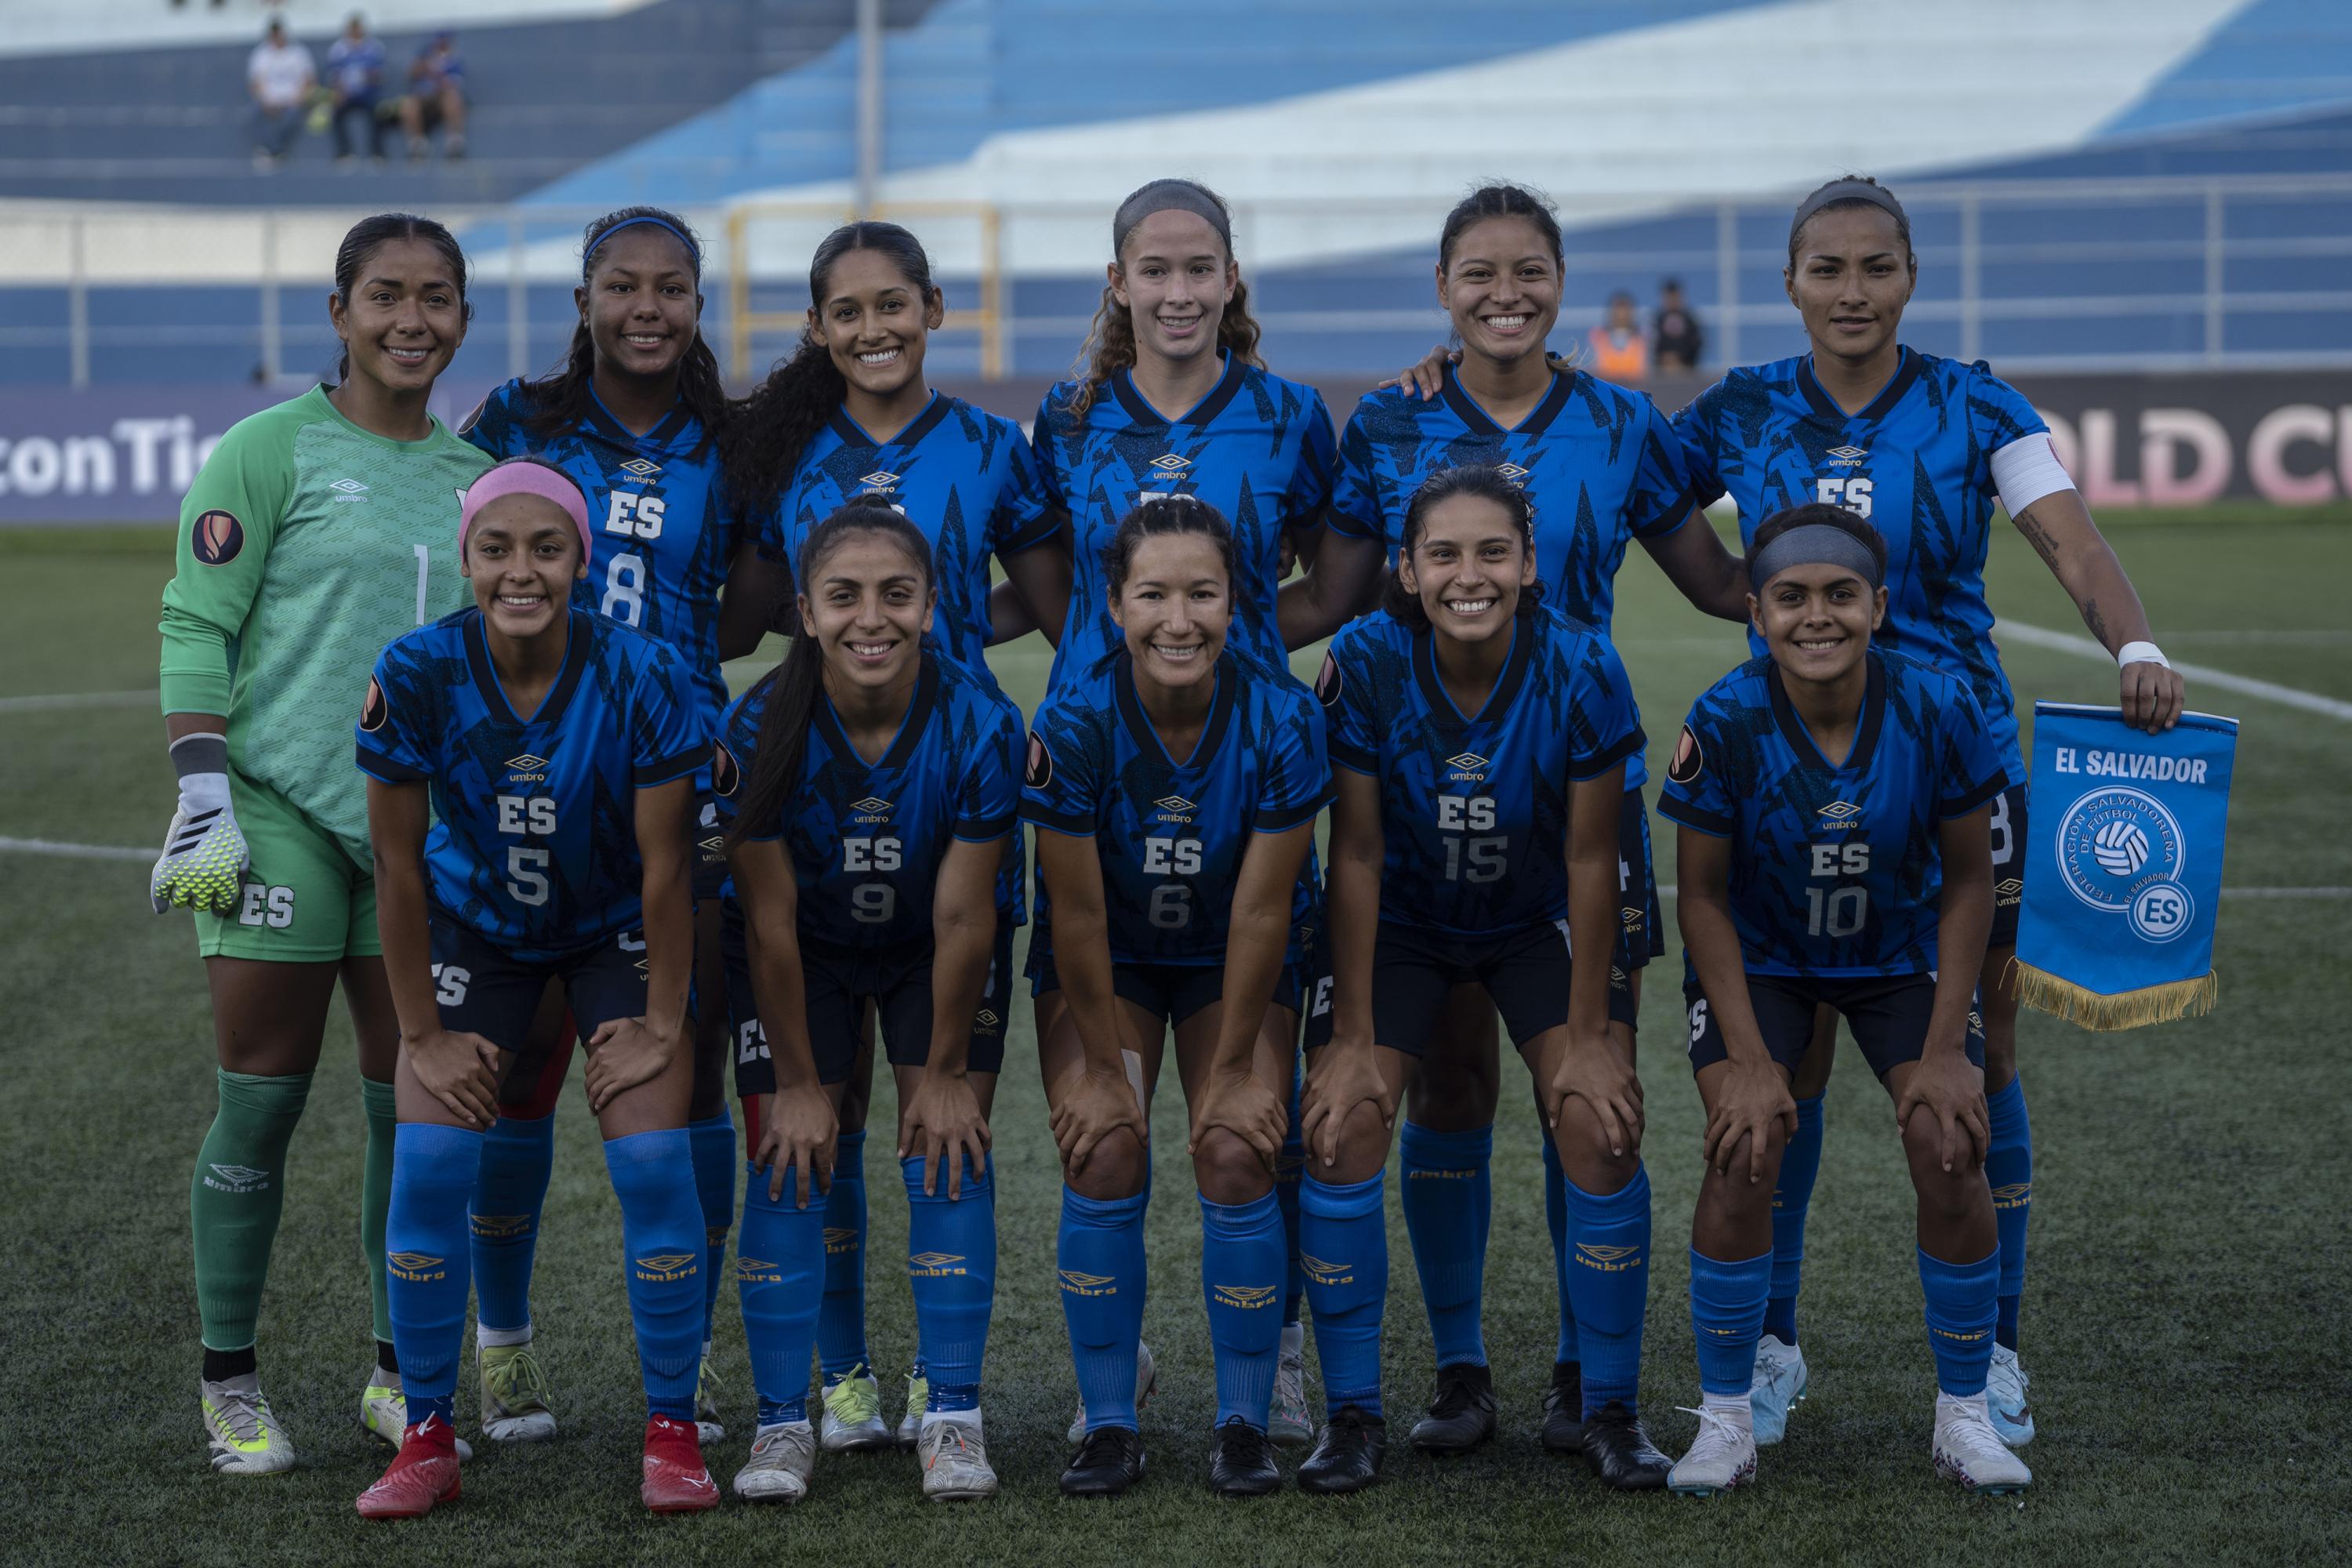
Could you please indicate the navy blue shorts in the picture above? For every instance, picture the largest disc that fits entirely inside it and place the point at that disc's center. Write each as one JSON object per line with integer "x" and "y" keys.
{"x": 2007, "y": 865}
{"x": 1643, "y": 936}
{"x": 484, "y": 990}
{"x": 1524, "y": 971}
{"x": 1174, "y": 993}
{"x": 1888, "y": 1015}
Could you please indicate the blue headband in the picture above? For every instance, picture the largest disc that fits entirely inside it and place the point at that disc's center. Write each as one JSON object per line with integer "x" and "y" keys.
{"x": 693, "y": 251}
{"x": 1815, "y": 543}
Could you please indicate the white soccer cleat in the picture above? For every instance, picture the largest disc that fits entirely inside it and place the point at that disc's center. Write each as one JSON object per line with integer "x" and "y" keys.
{"x": 853, "y": 1421}
{"x": 783, "y": 1459}
{"x": 246, "y": 1439}
{"x": 1288, "y": 1421}
{"x": 1723, "y": 1454}
{"x": 1778, "y": 1388}
{"x": 2006, "y": 1387}
{"x": 514, "y": 1394}
{"x": 954, "y": 1459}
{"x": 1970, "y": 1452}
{"x": 1146, "y": 1381}
{"x": 383, "y": 1412}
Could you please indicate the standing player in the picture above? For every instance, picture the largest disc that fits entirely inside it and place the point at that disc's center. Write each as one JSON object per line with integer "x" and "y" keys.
{"x": 1176, "y": 787}
{"x": 874, "y": 788}
{"x": 1835, "y": 849}
{"x": 555, "y": 753}
{"x": 1602, "y": 466}
{"x": 850, "y": 419}
{"x": 1481, "y": 743}
{"x": 634, "y": 417}
{"x": 1922, "y": 447}
{"x": 316, "y": 532}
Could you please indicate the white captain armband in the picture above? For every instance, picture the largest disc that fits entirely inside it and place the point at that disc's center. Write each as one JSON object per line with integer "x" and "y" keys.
{"x": 2028, "y": 470}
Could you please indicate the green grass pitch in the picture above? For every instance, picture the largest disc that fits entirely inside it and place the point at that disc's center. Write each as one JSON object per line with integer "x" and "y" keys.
{"x": 2186, "y": 1318}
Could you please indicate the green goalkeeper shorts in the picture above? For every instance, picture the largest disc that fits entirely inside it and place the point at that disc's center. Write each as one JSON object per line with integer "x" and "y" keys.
{"x": 306, "y": 900}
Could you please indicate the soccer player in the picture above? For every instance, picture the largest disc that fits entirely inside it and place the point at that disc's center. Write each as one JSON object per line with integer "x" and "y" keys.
{"x": 1834, "y": 804}
{"x": 316, "y": 532}
{"x": 848, "y": 418}
{"x": 553, "y": 751}
{"x": 634, "y": 417}
{"x": 1481, "y": 743}
{"x": 873, "y": 782}
{"x": 1921, "y": 448}
{"x": 1175, "y": 786}
{"x": 1602, "y": 466}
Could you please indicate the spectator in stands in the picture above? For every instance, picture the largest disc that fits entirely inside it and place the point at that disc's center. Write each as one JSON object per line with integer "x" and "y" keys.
{"x": 279, "y": 74}
{"x": 355, "y": 77}
{"x": 1676, "y": 337}
{"x": 436, "y": 96}
{"x": 1620, "y": 353}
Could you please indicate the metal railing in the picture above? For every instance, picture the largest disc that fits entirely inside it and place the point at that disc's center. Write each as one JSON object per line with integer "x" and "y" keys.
{"x": 743, "y": 320}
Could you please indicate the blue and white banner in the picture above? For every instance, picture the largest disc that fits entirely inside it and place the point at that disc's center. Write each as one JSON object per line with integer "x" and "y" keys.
{"x": 2123, "y": 868}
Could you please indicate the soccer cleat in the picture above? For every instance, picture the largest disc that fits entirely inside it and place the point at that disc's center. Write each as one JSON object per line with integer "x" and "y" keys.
{"x": 384, "y": 1411}
{"x": 919, "y": 1400}
{"x": 955, "y": 1459}
{"x": 707, "y": 1425}
{"x": 1348, "y": 1452}
{"x": 852, "y": 1423}
{"x": 1461, "y": 1413}
{"x": 675, "y": 1478}
{"x": 246, "y": 1439}
{"x": 1146, "y": 1382}
{"x": 2005, "y": 1398}
{"x": 1108, "y": 1462}
{"x": 424, "y": 1473}
{"x": 1563, "y": 1408}
{"x": 1970, "y": 1452}
{"x": 514, "y": 1394}
{"x": 1243, "y": 1462}
{"x": 782, "y": 1461}
{"x": 1287, "y": 1422}
{"x": 1777, "y": 1387}
{"x": 1619, "y": 1449}
{"x": 1721, "y": 1456}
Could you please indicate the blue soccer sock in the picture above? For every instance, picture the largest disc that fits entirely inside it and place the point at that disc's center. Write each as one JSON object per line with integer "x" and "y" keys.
{"x": 714, "y": 1186}
{"x": 1449, "y": 1201}
{"x": 2008, "y": 1168}
{"x": 1556, "y": 1221}
{"x": 433, "y": 1169}
{"x": 1343, "y": 1244}
{"x": 951, "y": 1261}
{"x": 1242, "y": 1255}
{"x": 780, "y": 1272}
{"x": 1609, "y": 1278}
{"x": 1287, "y": 1169}
{"x": 1727, "y": 1317}
{"x": 1099, "y": 1255}
{"x": 518, "y": 1157}
{"x": 1960, "y": 1312}
{"x": 1793, "y": 1195}
{"x": 841, "y": 1320}
{"x": 661, "y": 1238}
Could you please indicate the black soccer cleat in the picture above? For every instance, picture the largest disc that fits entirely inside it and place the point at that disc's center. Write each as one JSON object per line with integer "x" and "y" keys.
{"x": 1462, "y": 1415}
{"x": 1621, "y": 1453}
{"x": 1563, "y": 1419}
{"x": 1108, "y": 1463}
{"x": 1348, "y": 1452}
{"x": 1243, "y": 1463}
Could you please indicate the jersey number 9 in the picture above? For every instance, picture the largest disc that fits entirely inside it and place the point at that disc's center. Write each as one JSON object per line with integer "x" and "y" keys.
{"x": 873, "y": 902}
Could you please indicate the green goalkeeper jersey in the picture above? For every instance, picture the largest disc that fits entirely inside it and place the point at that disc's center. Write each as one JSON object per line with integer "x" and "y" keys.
{"x": 307, "y": 545}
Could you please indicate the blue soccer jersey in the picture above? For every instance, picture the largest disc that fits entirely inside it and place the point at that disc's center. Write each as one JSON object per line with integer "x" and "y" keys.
{"x": 665, "y": 536}
{"x": 1917, "y": 463}
{"x": 1172, "y": 835}
{"x": 866, "y": 838}
{"x": 1475, "y": 811}
{"x": 1836, "y": 871}
{"x": 1257, "y": 447}
{"x": 967, "y": 478}
{"x": 534, "y": 848}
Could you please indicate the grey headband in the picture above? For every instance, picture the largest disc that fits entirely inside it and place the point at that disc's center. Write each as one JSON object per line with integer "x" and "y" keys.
{"x": 1170, "y": 196}
{"x": 1847, "y": 191}
{"x": 1815, "y": 543}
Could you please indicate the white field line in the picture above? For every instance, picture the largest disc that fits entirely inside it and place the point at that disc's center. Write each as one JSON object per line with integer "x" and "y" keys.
{"x": 77, "y": 700}
{"x": 2198, "y": 674}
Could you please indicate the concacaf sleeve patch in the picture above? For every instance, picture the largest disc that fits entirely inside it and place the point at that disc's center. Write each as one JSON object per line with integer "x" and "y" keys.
{"x": 726, "y": 776}
{"x": 373, "y": 709}
{"x": 217, "y": 538}
{"x": 1690, "y": 759}
{"x": 1327, "y": 682}
{"x": 1040, "y": 771}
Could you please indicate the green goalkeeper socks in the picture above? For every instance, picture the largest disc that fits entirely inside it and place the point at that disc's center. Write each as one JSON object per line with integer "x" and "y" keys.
{"x": 376, "y": 1196}
{"x": 238, "y": 1194}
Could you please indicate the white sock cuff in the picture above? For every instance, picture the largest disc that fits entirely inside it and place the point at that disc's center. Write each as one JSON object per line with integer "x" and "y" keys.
{"x": 489, "y": 1338}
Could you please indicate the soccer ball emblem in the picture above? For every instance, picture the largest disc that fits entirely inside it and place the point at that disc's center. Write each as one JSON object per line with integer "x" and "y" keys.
{"x": 2121, "y": 848}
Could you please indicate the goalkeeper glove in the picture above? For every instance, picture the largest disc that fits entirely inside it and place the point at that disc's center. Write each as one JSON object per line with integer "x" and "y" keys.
{"x": 205, "y": 858}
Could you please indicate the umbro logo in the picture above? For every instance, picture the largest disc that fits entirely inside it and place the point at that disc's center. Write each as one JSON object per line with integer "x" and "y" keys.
{"x": 1077, "y": 1282}
{"x": 236, "y": 1179}
{"x": 639, "y": 469}
{"x": 351, "y": 490}
{"x": 1174, "y": 803}
{"x": 1171, "y": 465}
{"x": 986, "y": 1019}
{"x": 1608, "y": 1260}
{"x": 501, "y": 1225}
{"x": 1838, "y": 810}
{"x": 666, "y": 1267}
{"x": 935, "y": 1265}
{"x": 871, "y": 803}
{"x": 879, "y": 479}
{"x": 1849, "y": 454}
{"x": 1324, "y": 1273}
{"x": 1247, "y": 1297}
{"x": 526, "y": 763}
{"x": 411, "y": 1261}
{"x": 2009, "y": 887}
{"x": 1512, "y": 472}
{"x": 758, "y": 1271}
{"x": 1466, "y": 760}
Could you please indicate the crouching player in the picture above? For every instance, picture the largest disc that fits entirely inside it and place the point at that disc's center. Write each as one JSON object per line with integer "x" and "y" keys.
{"x": 557, "y": 749}
{"x": 1833, "y": 804}
{"x": 872, "y": 781}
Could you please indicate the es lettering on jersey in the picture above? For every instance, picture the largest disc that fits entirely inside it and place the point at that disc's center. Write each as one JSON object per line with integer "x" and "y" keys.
{"x": 1916, "y": 463}
{"x": 1172, "y": 835}
{"x": 1475, "y": 809}
{"x": 1836, "y": 872}
{"x": 1257, "y": 447}
{"x": 866, "y": 838}
{"x": 534, "y": 845}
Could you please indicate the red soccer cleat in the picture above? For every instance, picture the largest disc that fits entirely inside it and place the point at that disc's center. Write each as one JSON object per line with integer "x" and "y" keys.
{"x": 676, "y": 1480}
{"x": 424, "y": 1472}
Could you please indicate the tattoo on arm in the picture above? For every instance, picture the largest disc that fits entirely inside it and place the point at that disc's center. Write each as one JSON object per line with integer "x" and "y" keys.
{"x": 2030, "y": 526}
{"x": 2095, "y": 621}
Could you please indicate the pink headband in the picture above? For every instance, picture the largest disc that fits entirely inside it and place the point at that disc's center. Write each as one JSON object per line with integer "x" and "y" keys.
{"x": 523, "y": 476}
